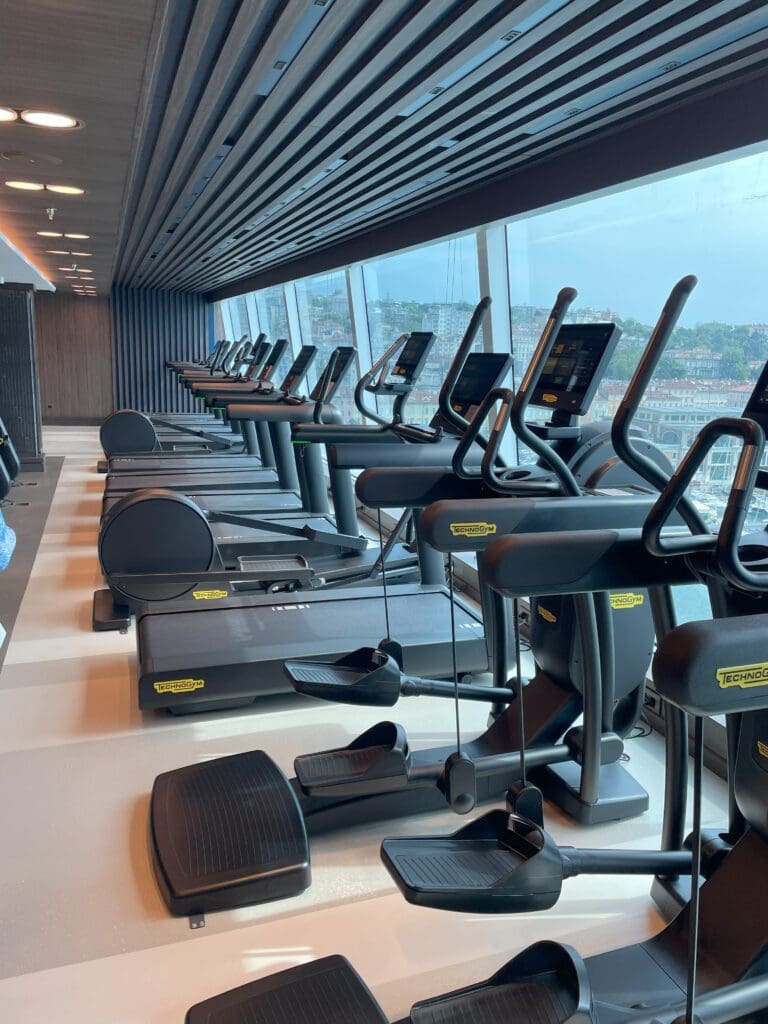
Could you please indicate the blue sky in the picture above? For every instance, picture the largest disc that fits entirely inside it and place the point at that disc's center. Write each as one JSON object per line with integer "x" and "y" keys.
{"x": 622, "y": 251}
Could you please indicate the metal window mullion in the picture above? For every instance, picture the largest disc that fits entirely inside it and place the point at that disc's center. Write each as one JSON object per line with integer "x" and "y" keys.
{"x": 493, "y": 273}
{"x": 254, "y": 322}
{"x": 294, "y": 320}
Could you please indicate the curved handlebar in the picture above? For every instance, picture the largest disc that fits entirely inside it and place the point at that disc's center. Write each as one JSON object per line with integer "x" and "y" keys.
{"x": 528, "y": 385}
{"x": 472, "y": 434}
{"x": 673, "y": 493}
{"x": 732, "y": 525}
{"x": 381, "y": 364}
{"x": 625, "y": 414}
{"x": 445, "y": 399}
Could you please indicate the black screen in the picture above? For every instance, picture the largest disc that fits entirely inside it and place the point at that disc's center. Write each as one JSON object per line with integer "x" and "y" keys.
{"x": 757, "y": 406}
{"x": 305, "y": 354}
{"x": 479, "y": 375}
{"x": 412, "y": 354}
{"x": 573, "y": 371}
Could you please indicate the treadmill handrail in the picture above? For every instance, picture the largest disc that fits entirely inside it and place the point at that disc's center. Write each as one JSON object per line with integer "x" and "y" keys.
{"x": 445, "y": 398}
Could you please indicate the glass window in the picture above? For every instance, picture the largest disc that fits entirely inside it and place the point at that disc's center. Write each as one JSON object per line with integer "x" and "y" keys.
{"x": 325, "y": 320}
{"x": 431, "y": 289}
{"x": 218, "y": 322}
{"x": 273, "y": 320}
{"x": 624, "y": 252}
{"x": 239, "y": 315}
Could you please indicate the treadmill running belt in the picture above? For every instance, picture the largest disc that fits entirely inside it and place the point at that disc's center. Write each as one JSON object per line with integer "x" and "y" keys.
{"x": 515, "y": 1003}
{"x": 327, "y": 991}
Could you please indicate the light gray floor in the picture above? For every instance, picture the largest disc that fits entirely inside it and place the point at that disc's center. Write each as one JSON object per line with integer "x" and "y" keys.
{"x": 86, "y": 938}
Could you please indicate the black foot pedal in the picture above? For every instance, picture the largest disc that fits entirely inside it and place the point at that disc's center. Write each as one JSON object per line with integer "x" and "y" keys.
{"x": 378, "y": 756}
{"x": 227, "y": 833}
{"x": 367, "y": 676}
{"x": 277, "y": 573}
{"x": 546, "y": 984}
{"x": 328, "y": 991}
{"x": 107, "y": 615}
{"x": 498, "y": 864}
{"x": 102, "y": 466}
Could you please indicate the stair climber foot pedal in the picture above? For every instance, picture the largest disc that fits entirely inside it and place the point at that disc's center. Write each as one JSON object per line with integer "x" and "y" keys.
{"x": 234, "y": 819}
{"x": 366, "y": 676}
{"x": 327, "y": 991}
{"x": 545, "y": 984}
{"x": 500, "y": 863}
{"x": 379, "y": 755}
{"x": 276, "y": 574}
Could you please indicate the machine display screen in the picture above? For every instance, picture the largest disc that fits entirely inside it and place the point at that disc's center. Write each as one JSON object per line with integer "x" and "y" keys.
{"x": 573, "y": 372}
{"x": 480, "y": 374}
{"x": 412, "y": 354}
{"x": 305, "y": 354}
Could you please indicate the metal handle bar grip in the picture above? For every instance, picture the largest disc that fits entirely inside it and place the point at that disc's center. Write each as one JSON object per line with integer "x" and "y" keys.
{"x": 625, "y": 414}
{"x": 732, "y": 526}
{"x": 673, "y": 494}
{"x": 528, "y": 385}
{"x": 367, "y": 377}
{"x": 472, "y": 432}
{"x": 326, "y": 383}
{"x": 445, "y": 398}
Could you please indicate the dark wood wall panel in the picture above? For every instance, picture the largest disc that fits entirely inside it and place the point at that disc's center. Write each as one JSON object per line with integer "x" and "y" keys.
{"x": 74, "y": 340}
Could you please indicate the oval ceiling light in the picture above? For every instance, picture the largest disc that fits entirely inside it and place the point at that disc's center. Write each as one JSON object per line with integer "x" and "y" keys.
{"x": 73, "y": 253}
{"x": 49, "y": 234}
{"x": 66, "y": 190}
{"x": 29, "y": 186}
{"x": 59, "y": 252}
{"x": 7, "y": 114}
{"x": 69, "y": 234}
{"x": 47, "y": 119}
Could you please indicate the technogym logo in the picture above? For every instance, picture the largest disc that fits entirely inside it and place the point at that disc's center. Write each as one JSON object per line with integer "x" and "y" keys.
{"x": 619, "y": 601}
{"x": 179, "y": 685}
{"x": 762, "y": 748}
{"x": 479, "y": 529}
{"x": 743, "y": 676}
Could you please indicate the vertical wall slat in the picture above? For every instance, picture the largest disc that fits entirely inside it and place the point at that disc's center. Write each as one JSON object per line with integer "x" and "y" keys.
{"x": 150, "y": 327}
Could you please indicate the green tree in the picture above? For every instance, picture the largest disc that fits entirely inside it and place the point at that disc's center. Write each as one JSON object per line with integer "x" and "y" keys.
{"x": 733, "y": 365}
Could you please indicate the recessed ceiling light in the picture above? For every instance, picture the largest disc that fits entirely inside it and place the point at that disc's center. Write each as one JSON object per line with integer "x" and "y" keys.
{"x": 47, "y": 119}
{"x": 66, "y": 190}
{"x": 73, "y": 253}
{"x": 66, "y": 268}
{"x": 29, "y": 186}
{"x": 72, "y": 235}
{"x": 50, "y": 234}
{"x": 84, "y": 270}
{"x": 6, "y": 114}
{"x": 59, "y": 252}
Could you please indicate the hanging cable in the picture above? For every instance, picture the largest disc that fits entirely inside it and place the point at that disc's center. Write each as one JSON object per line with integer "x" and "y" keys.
{"x": 451, "y": 596}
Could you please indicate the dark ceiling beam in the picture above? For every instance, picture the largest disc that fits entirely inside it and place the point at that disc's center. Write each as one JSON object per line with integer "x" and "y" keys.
{"x": 502, "y": 141}
{"x": 717, "y": 121}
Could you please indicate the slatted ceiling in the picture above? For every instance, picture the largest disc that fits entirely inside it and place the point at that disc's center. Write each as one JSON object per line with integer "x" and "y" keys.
{"x": 225, "y": 139}
{"x": 498, "y": 103}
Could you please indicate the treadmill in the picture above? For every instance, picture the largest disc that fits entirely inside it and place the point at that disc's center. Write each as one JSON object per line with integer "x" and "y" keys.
{"x": 245, "y": 479}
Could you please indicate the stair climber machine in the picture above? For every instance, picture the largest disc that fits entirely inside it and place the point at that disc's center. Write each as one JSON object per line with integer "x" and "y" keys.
{"x": 166, "y": 459}
{"x": 710, "y": 964}
{"x": 227, "y": 654}
{"x": 154, "y": 532}
{"x": 378, "y": 776}
{"x": 256, "y": 440}
{"x": 255, "y": 477}
{"x": 584, "y": 485}
{"x": 141, "y": 437}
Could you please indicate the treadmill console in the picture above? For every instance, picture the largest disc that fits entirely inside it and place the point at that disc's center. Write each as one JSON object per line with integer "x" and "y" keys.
{"x": 298, "y": 368}
{"x": 407, "y": 369}
{"x": 576, "y": 366}
{"x": 273, "y": 358}
{"x": 757, "y": 406}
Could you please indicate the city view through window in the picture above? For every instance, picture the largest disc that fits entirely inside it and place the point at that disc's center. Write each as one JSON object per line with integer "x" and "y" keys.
{"x": 623, "y": 252}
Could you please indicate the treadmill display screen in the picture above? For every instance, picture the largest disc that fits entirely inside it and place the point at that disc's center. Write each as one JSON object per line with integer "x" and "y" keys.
{"x": 574, "y": 370}
{"x": 301, "y": 360}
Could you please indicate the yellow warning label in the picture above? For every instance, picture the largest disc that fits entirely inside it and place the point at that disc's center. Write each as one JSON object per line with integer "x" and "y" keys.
{"x": 762, "y": 748}
{"x": 549, "y": 398}
{"x": 473, "y": 529}
{"x": 743, "y": 676}
{"x": 209, "y": 595}
{"x": 630, "y": 600}
{"x": 179, "y": 685}
{"x": 545, "y": 613}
